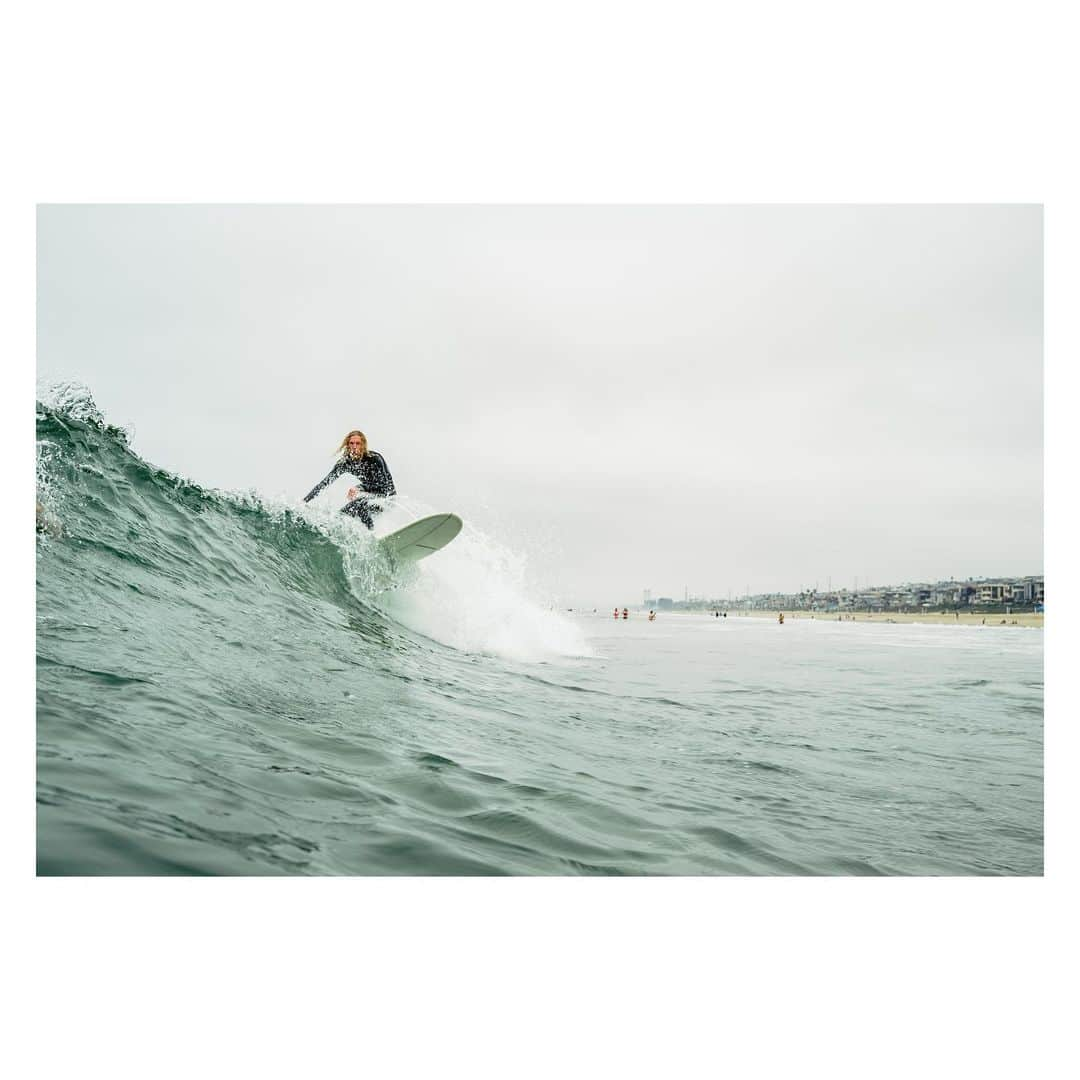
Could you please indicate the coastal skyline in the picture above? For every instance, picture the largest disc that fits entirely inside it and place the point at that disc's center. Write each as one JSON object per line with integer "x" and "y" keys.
{"x": 1031, "y": 586}
{"x": 762, "y": 395}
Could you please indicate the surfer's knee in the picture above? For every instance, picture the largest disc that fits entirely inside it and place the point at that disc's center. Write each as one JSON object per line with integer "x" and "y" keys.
{"x": 358, "y": 508}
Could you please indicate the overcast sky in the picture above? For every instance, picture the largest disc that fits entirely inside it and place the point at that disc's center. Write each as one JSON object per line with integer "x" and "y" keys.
{"x": 661, "y": 397}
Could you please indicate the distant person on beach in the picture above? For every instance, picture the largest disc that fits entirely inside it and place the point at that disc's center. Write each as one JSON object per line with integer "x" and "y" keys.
{"x": 625, "y": 613}
{"x": 652, "y": 616}
{"x": 375, "y": 478}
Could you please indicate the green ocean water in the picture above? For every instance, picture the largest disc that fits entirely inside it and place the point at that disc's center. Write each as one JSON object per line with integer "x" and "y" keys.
{"x": 227, "y": 685}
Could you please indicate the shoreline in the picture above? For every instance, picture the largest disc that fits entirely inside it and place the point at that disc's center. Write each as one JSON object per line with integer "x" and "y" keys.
{"x": 931, "y": 618}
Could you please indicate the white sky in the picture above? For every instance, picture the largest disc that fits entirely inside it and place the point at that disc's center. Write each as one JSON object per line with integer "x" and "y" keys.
{"x": 711, "y": 397}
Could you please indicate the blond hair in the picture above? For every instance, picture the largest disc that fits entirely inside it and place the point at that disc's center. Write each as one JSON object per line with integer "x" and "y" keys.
{"x": 344, "y": 447}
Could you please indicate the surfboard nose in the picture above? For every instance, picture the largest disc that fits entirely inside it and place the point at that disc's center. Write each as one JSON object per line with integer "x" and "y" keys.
{"x": 422, "y": 538}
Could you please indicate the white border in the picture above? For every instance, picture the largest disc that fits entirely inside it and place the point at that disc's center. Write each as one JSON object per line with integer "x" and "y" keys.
{"x": 585, "y": 103}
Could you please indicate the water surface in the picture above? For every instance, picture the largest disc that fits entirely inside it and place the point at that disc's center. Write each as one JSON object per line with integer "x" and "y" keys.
{"x": 222, "y": 689}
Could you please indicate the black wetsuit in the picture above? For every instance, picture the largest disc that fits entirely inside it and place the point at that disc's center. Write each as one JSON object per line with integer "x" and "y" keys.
{"x": 375, "y": 479}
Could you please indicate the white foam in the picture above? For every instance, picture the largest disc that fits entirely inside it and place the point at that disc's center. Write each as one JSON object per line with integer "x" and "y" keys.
{"x": 475, "y": 596}
{"x": 70, "y": 396}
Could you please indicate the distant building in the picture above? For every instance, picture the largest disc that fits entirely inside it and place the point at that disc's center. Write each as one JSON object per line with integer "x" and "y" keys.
{"x": 1028, "y": 590}
{"x": 991, "y": 592}
{"x": 664, "y": 603}
{"x": 965, "y": 595}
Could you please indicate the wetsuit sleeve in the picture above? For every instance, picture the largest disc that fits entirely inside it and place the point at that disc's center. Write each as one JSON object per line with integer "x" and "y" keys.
{"x": 334, "y": 473}
{"x": 383, "y": 482}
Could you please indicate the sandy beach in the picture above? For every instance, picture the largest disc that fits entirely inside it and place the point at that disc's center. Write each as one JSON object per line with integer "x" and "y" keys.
{"x": 930, "y": 618}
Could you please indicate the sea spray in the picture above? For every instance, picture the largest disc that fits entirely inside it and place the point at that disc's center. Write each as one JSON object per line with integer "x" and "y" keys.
{"x": 473, "y": 595}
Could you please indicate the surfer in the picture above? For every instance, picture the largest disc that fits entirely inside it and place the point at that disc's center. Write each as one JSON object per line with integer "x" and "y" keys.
{"x": 369, "y": 466}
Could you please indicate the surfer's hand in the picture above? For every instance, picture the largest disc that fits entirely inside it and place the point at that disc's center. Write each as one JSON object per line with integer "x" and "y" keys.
{"x": 353, "y": 492}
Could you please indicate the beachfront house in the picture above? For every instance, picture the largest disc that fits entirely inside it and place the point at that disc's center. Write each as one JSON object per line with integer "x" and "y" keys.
{"x": 944, "y": 594}
{"x": 1027, "y": 590}
{"x": 1019, "y": 592}
{"x": 918, "y": 596}
{"x": 991, "y": 592}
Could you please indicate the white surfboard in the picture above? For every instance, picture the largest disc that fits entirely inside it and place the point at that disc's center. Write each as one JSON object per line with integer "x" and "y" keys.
{"x": 422, "y": 538}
